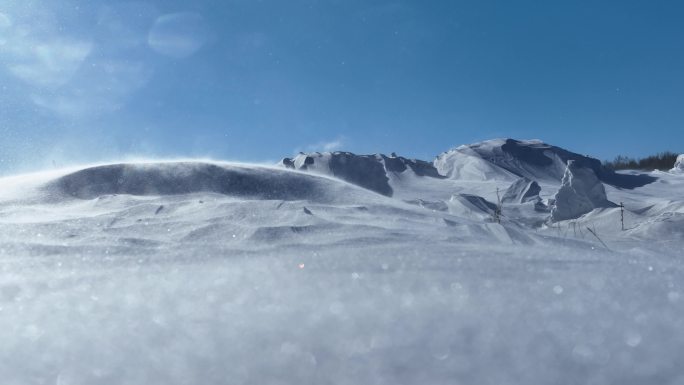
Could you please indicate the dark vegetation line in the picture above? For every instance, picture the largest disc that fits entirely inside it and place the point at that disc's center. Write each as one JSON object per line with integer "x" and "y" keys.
{"x": 661, "y": 161}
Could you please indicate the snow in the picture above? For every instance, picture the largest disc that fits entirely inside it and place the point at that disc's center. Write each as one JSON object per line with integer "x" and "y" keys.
{"x": 679, "y": 165}
{"x": 580, "y": 193}
{"x": 192, "y": 177}
{"x": 521, "y": 191}
{"x": 531, "y": 159}
{"x": 369, "y": 171}
{"x": 463, "y": 163}
{"x": 471, "y": 206}
{"x": 213, "y": 272}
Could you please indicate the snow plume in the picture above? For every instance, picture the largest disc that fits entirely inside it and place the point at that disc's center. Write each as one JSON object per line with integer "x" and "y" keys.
{"x": 325, "y": 145}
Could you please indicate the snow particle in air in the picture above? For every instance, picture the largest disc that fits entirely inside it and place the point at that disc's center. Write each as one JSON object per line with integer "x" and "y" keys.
{"x": 673, "y": 296}
{"x": 289, "y": 348}
{"x": 583, "y": 352}
{"x": 32, "y": 332}
{"x": 633, "y": 339}
{"x": 336, "y": 308}
{"x": 440, "y": 350}
{"x": 558, "y": 289}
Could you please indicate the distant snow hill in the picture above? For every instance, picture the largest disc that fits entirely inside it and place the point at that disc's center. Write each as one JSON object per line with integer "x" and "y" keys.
{"x": 498, "y": 159}
{"x": 373, "y": 172}
{"x": 530, "y": 159}
{"x": 178, "y": 178}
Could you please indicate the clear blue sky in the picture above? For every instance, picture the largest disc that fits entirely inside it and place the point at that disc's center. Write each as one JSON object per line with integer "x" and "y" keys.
{"x": 257, "y": 80}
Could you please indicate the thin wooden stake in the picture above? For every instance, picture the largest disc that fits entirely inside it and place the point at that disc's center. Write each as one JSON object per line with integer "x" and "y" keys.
{"x": 597, "y": 237}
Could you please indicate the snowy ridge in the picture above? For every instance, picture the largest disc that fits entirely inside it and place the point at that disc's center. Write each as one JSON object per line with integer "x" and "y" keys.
{"x": 464, "y": 163}
{"x": 369, "y": 171}
{"x": 177, "y": 178}
{"x": 532, "y": 159}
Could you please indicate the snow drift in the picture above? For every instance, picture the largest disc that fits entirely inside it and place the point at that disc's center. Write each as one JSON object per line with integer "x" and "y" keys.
{"x": 368, "y": 171}
{"x": 580, "y": 192}
{"x": 679, "y": 165}
{"x": 521, "y": 191}
{"x": 471, "y": 206}
{"x": 532, "y": 159}
{"x": 176, "y": 178}
{"x": 464, "y": 163}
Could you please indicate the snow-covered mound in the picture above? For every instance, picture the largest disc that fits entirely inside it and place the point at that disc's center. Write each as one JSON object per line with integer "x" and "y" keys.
{"x": 177, "y": 178}
{"x": 580, "y": 192}
{"x": 679, "y": 165}
{"x": 372, "y": 172}
{"x": 530, "y": 159}
{"x": 464, "y": 163}
{"x": 521, "y": 191}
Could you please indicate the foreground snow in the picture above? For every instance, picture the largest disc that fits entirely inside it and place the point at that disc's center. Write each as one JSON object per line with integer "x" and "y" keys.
{"x": 161, "y": 273}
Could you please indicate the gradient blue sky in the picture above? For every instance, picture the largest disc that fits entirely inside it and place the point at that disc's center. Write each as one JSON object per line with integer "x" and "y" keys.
{"x": 258, "y": 80}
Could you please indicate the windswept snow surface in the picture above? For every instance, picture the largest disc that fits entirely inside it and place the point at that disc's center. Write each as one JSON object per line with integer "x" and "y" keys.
{"x": 218, "y": 273}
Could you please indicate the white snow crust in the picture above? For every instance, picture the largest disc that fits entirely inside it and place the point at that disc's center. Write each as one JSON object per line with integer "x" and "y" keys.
{"x": 679, "y": 165}
{"x": 202, "y": 272}
{"x": 521, "y": 191}
{"x": 463, "y": 163}
{"x": 580, "y": 193}
{"x": 531, "y": 159}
